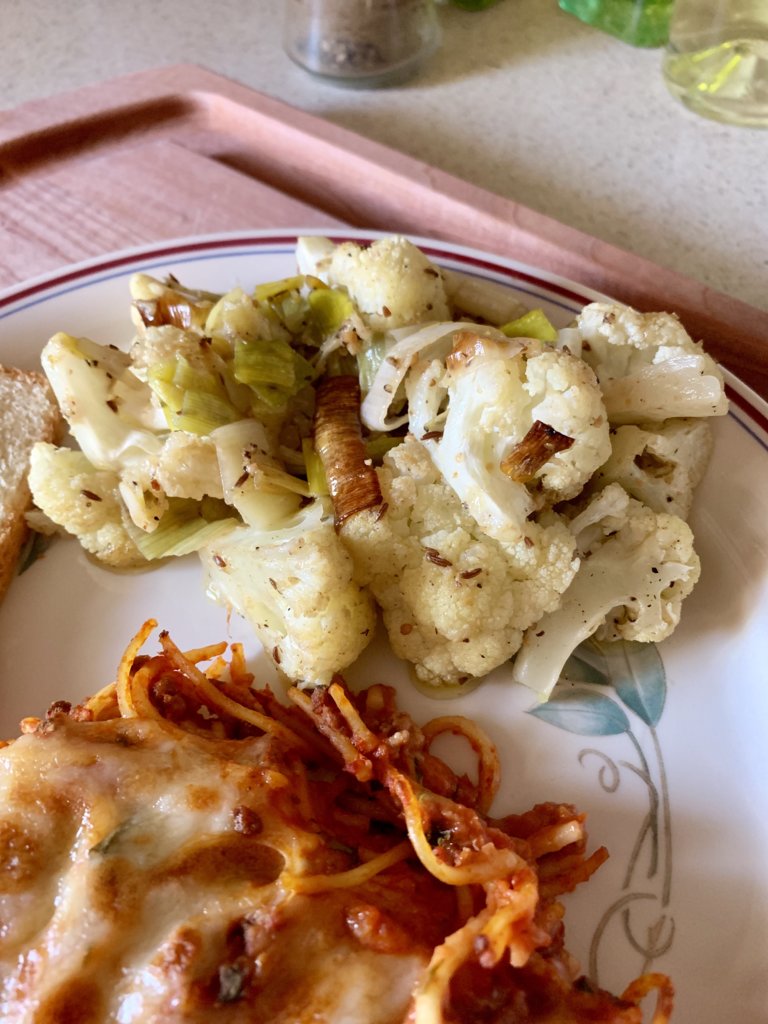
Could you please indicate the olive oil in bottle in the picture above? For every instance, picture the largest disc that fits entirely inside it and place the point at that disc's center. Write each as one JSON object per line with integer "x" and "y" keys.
{"x": 717, "y": 59}
{"x": 639, "y": 22}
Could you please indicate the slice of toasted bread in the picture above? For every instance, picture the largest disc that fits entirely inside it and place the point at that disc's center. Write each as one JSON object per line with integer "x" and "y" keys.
{"x": 28, "y": 413}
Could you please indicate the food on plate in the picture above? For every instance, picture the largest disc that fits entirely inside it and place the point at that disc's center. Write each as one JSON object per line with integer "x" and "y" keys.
{"x": 636, "y": 568}
{"x": 312, "y": 613}
{"x": 511, "y": 424}
{"x": 84, "y": 501}
{"x": 648, "y": 367}
{"x": 28, "y": 414}
{"x": 392, "y": 284}
{"x": 184, "y": 847}
{"x": 376, "y": 433}
{"x": 660, "y": 464}
{"x": 455, "y": 601}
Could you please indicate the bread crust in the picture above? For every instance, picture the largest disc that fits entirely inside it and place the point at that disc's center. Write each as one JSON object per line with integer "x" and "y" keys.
{"x": 28, "y": 414}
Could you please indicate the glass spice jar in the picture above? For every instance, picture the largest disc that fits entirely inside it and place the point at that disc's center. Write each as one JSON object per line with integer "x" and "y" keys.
{"x": 361, "y": 42}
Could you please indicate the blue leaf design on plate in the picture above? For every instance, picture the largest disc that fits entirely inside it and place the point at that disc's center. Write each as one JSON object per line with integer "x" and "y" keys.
{"x": 637, "y": 673}
{"x": 586, "y": 665}
{"x": 583, "y": 712}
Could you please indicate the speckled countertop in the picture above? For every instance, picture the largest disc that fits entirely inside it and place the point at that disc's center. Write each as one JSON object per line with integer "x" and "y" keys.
{"x": 522, "y": 99}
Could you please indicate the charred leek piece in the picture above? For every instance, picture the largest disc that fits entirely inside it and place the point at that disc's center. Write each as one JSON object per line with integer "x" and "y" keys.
{"x": 170, "y": 303}
{"x": 352, "y": 480}
{"x": 469, "y": 345}
{"x": 466, "y": 345}
{"x": 156, "y": 312}
{"x": 538, "y": 446}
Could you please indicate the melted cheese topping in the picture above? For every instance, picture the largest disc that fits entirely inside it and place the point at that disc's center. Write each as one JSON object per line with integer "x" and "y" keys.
{"x": 140, "y": 881}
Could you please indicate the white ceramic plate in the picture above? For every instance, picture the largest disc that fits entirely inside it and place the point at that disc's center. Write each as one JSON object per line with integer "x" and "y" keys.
{"x": 671, "y": 766}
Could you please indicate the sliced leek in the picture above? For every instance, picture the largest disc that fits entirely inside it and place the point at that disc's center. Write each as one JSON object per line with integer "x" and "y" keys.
{"x": 185, "y": 527}
{"x": 533, "y": 324}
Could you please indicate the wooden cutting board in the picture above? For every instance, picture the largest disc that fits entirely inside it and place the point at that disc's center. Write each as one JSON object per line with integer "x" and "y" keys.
{"x": 180, "y": 151}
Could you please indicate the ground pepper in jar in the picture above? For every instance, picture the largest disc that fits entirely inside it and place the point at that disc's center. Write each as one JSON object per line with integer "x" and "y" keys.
{"x": 361, "y": 42}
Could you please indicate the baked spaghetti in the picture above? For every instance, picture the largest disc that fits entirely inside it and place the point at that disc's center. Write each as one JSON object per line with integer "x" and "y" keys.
{"x": 185, "y": 847}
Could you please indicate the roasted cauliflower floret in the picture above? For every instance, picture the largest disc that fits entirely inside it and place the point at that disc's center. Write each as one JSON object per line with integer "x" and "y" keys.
{"x": 238, "y": 317}
{"x": 391, "y": 282}
{"x": 563, "y": 393}
{"x": 299, "y": 596}
{"x": 84, "y": 501}
{"x": 524, "y": 425}
{"x": 637, "y": 567}
{"x": 110, "y": 414}
{"x": 455, "y": 602}
{"x": 648, "y": 366}
{"x": 660, "y": 464}
{"x": 188, "y": 467}
{"x": 107, "y": 408}
{"x": 161, "y": 346}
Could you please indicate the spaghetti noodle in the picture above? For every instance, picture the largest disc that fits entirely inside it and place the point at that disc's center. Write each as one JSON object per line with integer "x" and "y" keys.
{"x": 301, "y": 836}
